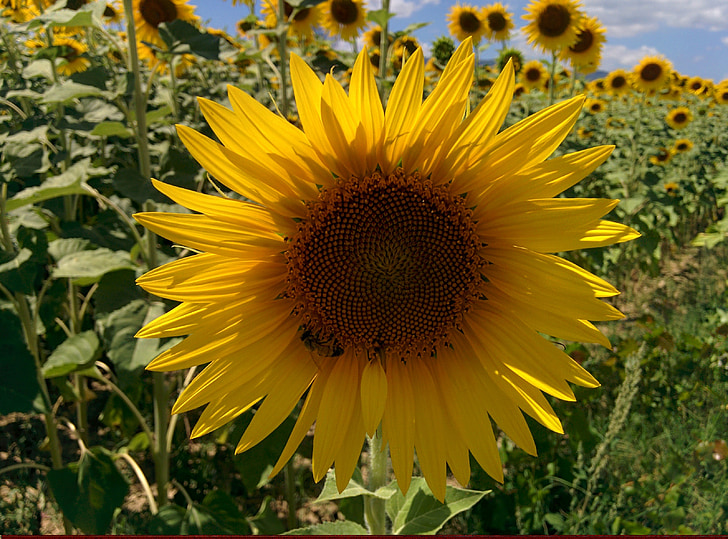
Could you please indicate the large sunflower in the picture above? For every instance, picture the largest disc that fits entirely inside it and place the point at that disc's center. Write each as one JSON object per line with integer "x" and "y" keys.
{"x": 553, "y": 24}
{"x": 586, "y": 53}
{"x": 651, "y": 74}
{"x": 498, "y": 22}
{"x": 343, "y": 18}
{"x": 617, "y": 82}
{"x": 466, "y": 21}
{"x": 391, "y": 267}
{"x": 301, "y": 23}
{"x": 149, "y": 14}
{"x": 534, "y": 75}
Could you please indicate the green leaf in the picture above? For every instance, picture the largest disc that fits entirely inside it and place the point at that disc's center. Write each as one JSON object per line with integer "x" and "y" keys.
{"x": 420, "y": 513}
{"x": 75, "y": 353}
{"x": 112, "y": 129}
{"x": 89, "y": 491}
{"x": 199, "y": 43}
{"x": 19, "y": 386}
{"x": 228, "y": 518}
{"x": 68, "y": 183}
{"x": 379, "y": 16}
{"x": 168, "y": 521}
{"x": 65, "y": 246}
{"x": 159, "y": 114}
{"x": 87, "y": 267}
{"x": 19, "y": 271}
{"x": 59, "y": 15}
{"x": 68, "y": 91}
{"x": 340, "y": 527}
{"x": 330, "y": 492}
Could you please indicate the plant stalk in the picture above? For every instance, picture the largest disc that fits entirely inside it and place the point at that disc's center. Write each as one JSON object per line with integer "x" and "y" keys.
{"x": 375, "y": 508}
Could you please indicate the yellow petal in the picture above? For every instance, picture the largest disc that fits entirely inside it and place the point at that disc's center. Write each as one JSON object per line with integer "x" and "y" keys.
{"x": 398, "y": 421}
{"x": 373, "y": 395}
{"x": 364, "y": 98}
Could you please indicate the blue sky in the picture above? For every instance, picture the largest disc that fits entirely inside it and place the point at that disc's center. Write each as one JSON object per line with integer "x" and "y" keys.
{"x": 693, "y": 34}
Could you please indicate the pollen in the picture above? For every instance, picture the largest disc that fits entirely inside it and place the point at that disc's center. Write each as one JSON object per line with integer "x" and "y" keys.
{"x": 385, "y": 263}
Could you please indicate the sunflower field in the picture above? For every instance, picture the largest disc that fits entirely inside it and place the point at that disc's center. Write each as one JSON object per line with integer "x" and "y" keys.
{"x": 307, "y": 279}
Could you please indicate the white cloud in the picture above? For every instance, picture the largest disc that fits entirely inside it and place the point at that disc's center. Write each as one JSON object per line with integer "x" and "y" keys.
{"x": 621, "y": 57}
{"x": 625, "y": 18}
{"x": 724, "y": 40}
{"x": 402, "y": 8}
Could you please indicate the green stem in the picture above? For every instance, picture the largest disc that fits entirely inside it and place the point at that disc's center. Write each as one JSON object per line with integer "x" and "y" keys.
{"x": 161, "y": 455}
{"x": 384, "y": 41}
{"x": 375, "y": 508}
{"x": 290, "y": 494}
{"x": 552, "y": 77}
{"x": 282, "y": 33}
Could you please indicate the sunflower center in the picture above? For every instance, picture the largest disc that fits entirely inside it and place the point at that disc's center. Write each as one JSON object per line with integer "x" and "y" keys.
{"x": 618, "y": 81}
{"x": 679, "y": 118}
{"x": 532, "y": 74}
{"x": 155, "y": 12}
{"x": 344, "y": 11}
{"x": 554, "y": 20}
{"x": 496, "y": 21}
{"x": 651, "y": 72}
{"x": 385, "y": 263}
{"x": 300, "y": 16}
{"x": 585, "y": 39}
{"x": 469, "y": 22}
{"x": 682, "y": 146}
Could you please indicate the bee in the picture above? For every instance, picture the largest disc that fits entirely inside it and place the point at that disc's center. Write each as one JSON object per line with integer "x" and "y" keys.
{"x": 325, "y": 348}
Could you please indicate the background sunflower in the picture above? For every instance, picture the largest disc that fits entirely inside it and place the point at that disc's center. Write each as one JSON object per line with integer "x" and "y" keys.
{"x": 553, "y": 25}
{"x": 465, "y": 21}
{"x": 343, "y": 18}
{"x": 651, "y": 74}
{"x": 498, "y": 22}
{"x": 149, "y": 14}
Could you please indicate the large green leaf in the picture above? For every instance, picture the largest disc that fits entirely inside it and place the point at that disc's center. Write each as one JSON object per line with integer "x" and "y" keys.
{"x": 89, "y": 491}
{"x": 330, "y": 492}
{"x": 19, "y": 272}
{"x": 340, "y": 527}
{"x": 87, "y": 267}
{"x": 59, "y": 15}
{"x": 194, "y": 41}
{"x": 112, "y": 129}
{"x": 19, "y": 386}
{"x": 75, "y": 353}
{"x": 69, "y": 182}
{"x": 68, "y": 91}
{"x": 420, "y": 513}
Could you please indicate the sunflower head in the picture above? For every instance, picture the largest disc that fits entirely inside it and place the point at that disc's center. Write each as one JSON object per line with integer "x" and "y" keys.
{"x": 617, "y": 82}
{"x": 301, "y": 22}
{"x": 71, "y": 57}
{"x": 391, "y": 268}
{"x": 671, "y": 188}
{"x": 498, "y": 22}
{"x": 513, "y": 55}
{"x": 720, "y": 93}
{"x": 553, "y": 24}
{"x": 466, "y": 21}
{"x": 679, "y": 117}
{"x": 662, "y": 156}
{"x": 586, "y": 52}
{"x": 651, "y": 74}
{"x": 534, "y": 75}
{"x": 442, "y": 50}
{"x": 595, "y": 106}
{"x": 343, "y": 18}
{"x": 149, "y": 14}
{"x": 682, "y": 145}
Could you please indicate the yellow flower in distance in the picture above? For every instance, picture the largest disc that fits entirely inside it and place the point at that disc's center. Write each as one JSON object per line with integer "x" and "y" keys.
{"x": 553, "y": 24}
{"x": 682, "y": 145}
{"x": 392, "y": 267}
{"x": 149, "y": 14}
{"x": 498, "y": 22}
{"x": 301, "y": 24}
{"x": 617, "y": 82}
{"x": 343, "y": 18}
{"x": 534, "y": 75}
{"x": 71, "y": 60}
{"x": 651, "y": 74}
{"x": 466, "y": 21}
{"x": 586, "y": 52}
{"x": 679, "y": 117}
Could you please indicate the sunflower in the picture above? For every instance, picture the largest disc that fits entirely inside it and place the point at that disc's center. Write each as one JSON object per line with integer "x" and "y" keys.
{"x": 553, "y": 24}
{"x": 390, "y": 268}
{"x": 682, "y": 145}
{"x": 671, "y": 188}
{"x": 301, "y": 24}
{"x": 651, "y": 74}
{"x": 113, "y": 12}
{"x": 534, "y": 75}
{"x": 373, "y": 37}
{"x": 404, "y": 47}
{"x": 662, "y": 156}
{"x": 466, "y": 21}
{"x": 595, "y": 106}
{"x": 720, "y": 94}
{"x": 343, "y": 18}
{"x": 585, "y": 54}
{"x": 617, "y": 82}
{"x": 498, "y": 22}
{"x": 679, "y": 117}
{"x": 513, "y": 55}
{"x": 698, "y": 86}
{"x": 149, "y": 14}
{"x": 71, "y": 57}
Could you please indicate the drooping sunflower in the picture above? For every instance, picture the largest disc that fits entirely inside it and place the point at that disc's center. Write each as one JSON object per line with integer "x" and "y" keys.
{"x": 343, "y": 18}
{"x": 391, "y": 267}
{"x": 617, "y": 82}
{"x": 301, "y": 23}
{"x": 683, "y": 145}
{"x": 585, "y": 54}
{"x": 498, "y": 22}
{"x": 662, "y": 156}
{"x": 534, "y": 75}
{"x": 71, "y": 59}
{"x": 651, "y": 74}
{"x": 679, "y": 117}
{"x": 466, "y": 21}
{"x": 511, "y": 55}
{"x": 149, "y": 14}
{"x": 553, "y": 24}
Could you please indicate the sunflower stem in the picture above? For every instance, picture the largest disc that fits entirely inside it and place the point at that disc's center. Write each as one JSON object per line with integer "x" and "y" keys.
{"x": 282, "y": 33}
{"x": 161, "y": 455}
{"x": 552, "y": 76}
{"x": 375, "y": 508}
{"x": 384, "y": 40}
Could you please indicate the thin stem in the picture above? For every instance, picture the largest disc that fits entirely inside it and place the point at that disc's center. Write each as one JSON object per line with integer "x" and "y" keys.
{"x": 290, "y": 494}
{"x": 161, "y": 419}
{"x": 375, "y": 508}
{"x": 142, "y": 480}
{"x": 25, "y": 466}
{"x": 173, "y": 420}
{"x": 282, "y": 33}
{"x": 552, "y": 77}
{"x": 384, "y": 41}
